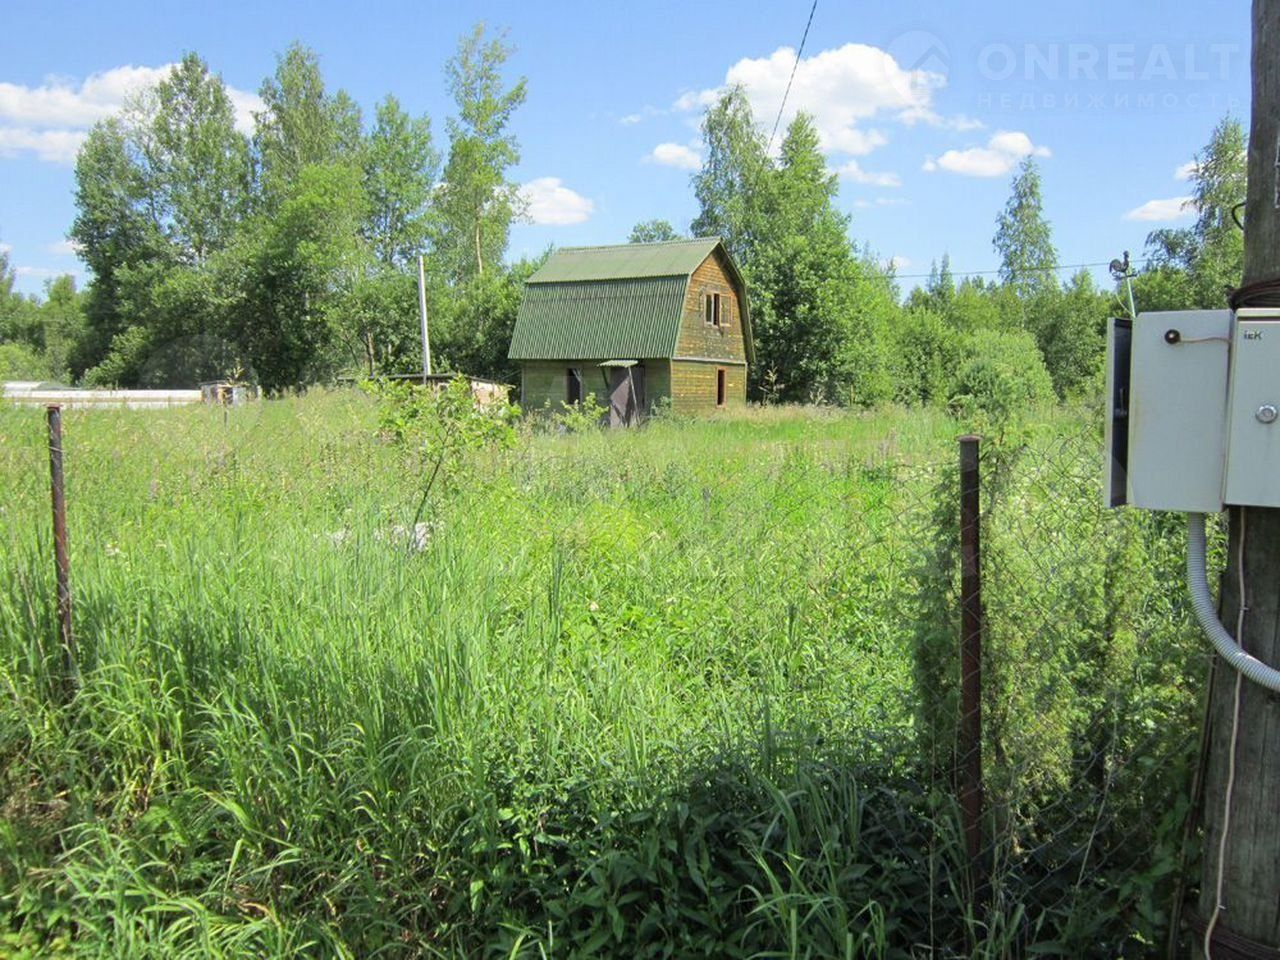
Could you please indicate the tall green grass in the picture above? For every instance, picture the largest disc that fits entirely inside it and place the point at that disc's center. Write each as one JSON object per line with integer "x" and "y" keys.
{"x": 648, "y": 693}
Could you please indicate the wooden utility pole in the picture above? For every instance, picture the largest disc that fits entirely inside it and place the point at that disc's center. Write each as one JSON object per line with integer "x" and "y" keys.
{"x": 1248, "y": 869}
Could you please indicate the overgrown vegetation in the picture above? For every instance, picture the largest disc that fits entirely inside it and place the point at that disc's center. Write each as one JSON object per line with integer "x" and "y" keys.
{"x": 290, "y": 253}
{"x": 672, "y": 692}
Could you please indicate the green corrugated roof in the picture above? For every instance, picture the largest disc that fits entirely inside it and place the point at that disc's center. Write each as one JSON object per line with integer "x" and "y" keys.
{"x": 599, "y": 319}
{"x": 628, "y": 261}
{"x": 619, "y": 302}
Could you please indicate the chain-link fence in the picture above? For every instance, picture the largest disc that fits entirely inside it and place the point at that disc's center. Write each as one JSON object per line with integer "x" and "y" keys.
{"x": 693, "y": 689}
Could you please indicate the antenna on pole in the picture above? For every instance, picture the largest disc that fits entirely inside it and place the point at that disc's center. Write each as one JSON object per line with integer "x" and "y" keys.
{"x": 422, "y": 310}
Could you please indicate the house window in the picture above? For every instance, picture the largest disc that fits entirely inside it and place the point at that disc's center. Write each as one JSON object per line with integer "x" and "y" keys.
{"x": 712, "y": 306}
{"x": 720, "y": 388}
{"x": 574, "y": 380}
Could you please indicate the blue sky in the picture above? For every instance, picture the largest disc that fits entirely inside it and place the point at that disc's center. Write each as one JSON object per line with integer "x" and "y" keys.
{"x": 923, "y": 107}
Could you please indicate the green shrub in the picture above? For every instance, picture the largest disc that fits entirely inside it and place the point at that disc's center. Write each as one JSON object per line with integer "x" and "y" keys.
{"x": 1003, "y": 377}
{"x": 123, "y": 364}
{"x": 581, "y": 417}
{"x": 20, "y": 362}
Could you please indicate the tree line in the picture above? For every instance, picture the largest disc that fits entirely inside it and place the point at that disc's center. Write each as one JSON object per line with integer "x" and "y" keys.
{"x": 829, "y": 321}
{"x": 288, "y": 255}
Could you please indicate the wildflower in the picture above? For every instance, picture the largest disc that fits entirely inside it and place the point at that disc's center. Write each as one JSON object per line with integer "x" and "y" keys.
{"x": 417, "y": 539}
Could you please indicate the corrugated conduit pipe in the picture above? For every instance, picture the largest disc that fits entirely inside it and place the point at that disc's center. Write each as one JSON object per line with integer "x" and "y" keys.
{"x": 1202, "y": 603}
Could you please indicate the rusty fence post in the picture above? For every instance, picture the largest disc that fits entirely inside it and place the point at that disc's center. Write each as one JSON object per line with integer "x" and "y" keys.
{"x": 61, "y": 554}
{"x": 969, "y": 754}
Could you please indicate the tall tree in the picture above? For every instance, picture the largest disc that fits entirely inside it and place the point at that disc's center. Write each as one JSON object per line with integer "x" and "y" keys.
{"x": 160, "y": 190}
{"x": 401, "y": 168}
{"x": 1023, "y": 237}
{"x": 653, "y": 231}
{"x": 301, "y": 124}
{"x": 1070, "y": 331}
{"x": 730, "y": 186}
{"x": 196, "y": 161}
{"x": 943, "y": 287}
{"x": 19, "y": 323}
{"x": 297, "y": 269}
{"x": 819, "y": 311}
{"x": 1194, "y": 266}
{"x": 7, "y": 277}
{"x": 478, "y": 204}
{"x": 61, "y": 321}
{"x": 114, "y": 229}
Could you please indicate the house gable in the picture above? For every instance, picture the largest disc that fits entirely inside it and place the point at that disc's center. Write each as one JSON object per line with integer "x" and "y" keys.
{"x": 700, "y": 337}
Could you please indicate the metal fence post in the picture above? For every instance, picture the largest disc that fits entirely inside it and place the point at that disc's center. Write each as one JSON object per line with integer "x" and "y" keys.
{"x": 971, "y": 625}
{"x": 62, "y": 557}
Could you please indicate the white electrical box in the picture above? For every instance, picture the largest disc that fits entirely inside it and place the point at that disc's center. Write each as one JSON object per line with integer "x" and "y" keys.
{"x": 1167, "y": 387}
{"x": 1253, "y": 433}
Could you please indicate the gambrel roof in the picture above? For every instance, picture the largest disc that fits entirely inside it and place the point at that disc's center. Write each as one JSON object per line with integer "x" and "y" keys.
{"x": 618, "y": 301}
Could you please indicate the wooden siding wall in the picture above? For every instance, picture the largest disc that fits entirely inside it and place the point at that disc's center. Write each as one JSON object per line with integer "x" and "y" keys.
{"x": 693, "y": 387}
{"x": 546, "y": 381}
{"x": 699, "y": 338}
{"x": 657, "y": 381}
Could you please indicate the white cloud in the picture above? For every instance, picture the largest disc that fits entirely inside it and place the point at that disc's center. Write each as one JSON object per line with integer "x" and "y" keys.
{"x": 60, "y": 102}
{"x": 841, "y": 88}
{"x": 1186, "y": 171}
{"x": 863, "y": 204}
{"x": 960, "y": 122}
{"x": 853, "y": 171}
{"x": 245, "y": 104}
{"x": 63, "y": 248}
{"x": 50, "y": 120}
{"x": 963, "y": 124}
{"x": 676, "y": 155}
{"x": 897, "y": 263}
{"x": 696, "y": 99}
{"x": 631, "y": 119}
{"x": 1162, "y": 211}
{"x": 552, "y": 204}
{"x": 39, "y": 273}
{"x": 5, "y": 249}
{"x": 998, "y": 157}
{"x": 52, "y": 146}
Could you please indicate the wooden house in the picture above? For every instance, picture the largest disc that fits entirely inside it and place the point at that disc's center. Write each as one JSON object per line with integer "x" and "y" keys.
{"x": 636, "y": 325}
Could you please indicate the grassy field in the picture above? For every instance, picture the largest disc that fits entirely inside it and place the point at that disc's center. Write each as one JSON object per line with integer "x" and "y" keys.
{"x": 682, "y": 691}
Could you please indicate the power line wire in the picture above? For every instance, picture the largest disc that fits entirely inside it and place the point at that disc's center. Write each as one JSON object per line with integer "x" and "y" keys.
{"x": 795, "y": 66}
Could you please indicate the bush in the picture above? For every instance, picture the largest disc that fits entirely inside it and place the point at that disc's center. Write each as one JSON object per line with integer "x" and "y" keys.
{"x": 580, "y": 417}
{"x": 1003, "y": 378}
{"x": 122, "y": 366}
{"x": 927, "y": 354}
{"x": 19, "y": 362}
{"x": 439, "y": 428}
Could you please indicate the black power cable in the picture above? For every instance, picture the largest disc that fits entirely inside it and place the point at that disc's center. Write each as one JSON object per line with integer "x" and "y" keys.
{"x": 794, "y": 67}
